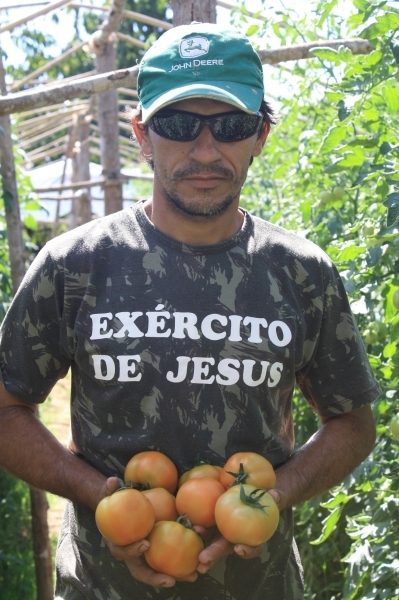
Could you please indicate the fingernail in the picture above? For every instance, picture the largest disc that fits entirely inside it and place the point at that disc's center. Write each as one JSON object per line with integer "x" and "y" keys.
{"x": 240, "y": 552}
{"x": 167, "y": 584}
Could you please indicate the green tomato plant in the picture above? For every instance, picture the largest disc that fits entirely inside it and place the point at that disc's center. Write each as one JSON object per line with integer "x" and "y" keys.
{"x": 330, "y": 172}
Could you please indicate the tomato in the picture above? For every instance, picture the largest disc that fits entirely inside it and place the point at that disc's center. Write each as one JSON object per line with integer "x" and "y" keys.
{"x": 164, "y": 504}
{"x": 251, "y": 522}
{"x": 256, "y": 470}
{"x": 152, "y": 468}
{"x": 125, "y": 517}
{"x": 394, "y": 427}
{"x": 174, "y": 549}
{"x": 196, "y": 500}
{"x": 201, "y": 471}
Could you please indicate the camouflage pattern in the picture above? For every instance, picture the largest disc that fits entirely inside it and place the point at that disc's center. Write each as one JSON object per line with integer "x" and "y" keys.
{"x": 192, "y": 351}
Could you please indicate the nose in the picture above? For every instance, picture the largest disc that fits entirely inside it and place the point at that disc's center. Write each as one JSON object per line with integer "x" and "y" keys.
{"x": 205, "y": 148}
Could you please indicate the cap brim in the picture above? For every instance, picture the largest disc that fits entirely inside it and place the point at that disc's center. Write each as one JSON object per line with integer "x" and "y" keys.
{"x": 243, "y": 97}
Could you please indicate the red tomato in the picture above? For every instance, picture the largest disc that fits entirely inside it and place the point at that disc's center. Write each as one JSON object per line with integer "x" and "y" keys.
{"x": 256, "y": 470}
{"x": 174, "y": 549}
{"x": 199, "y": 472}
{"x": 196, "y": 500}
{"x": 252, "y": 521}
{"x": 152, "y": 468}
{"x": 125, "y": 517}
{"x": 164, "y": 504}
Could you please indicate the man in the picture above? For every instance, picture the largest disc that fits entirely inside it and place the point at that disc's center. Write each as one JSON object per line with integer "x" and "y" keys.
{"x": 186, "y": 323}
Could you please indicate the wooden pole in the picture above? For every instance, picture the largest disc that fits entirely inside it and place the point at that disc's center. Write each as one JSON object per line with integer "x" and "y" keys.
{"x": 38, "y": 498}
{"x": 102, "y": 43}
{"x": 186, "y": 11}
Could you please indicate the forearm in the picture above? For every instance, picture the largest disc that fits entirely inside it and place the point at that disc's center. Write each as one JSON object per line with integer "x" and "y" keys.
{"x": 330, "y": 455}
{"x": 30, "y": 452}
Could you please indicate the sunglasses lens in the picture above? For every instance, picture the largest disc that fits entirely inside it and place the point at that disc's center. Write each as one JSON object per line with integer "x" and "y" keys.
{"x": 235, "y": 127}
{"x": 185, "y": 127}
{"x": 176, "y": 126}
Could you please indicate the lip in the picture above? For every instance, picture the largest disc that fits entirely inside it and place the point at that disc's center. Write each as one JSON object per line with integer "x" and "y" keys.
{"x": 207, "y": 181}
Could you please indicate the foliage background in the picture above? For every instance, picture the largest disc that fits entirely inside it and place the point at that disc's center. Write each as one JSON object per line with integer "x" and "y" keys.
{"x": 329, "y": 172}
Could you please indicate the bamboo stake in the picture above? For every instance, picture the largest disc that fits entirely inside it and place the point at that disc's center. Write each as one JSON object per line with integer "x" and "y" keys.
{"x": 45, "y": 111}
{"x": 38, "y": 13}
{"x": 45, "y": 134}
{"x": 57, "y": 114}
{"x": 247, "y": 12}
{"x": 47, "y": 66}
{"x": 130, "y": 40}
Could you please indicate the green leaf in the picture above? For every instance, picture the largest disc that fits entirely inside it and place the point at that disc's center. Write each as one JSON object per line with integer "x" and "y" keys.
{"x": 373, "y": 256}
{"x": 394, "y": 45}
{"x": 30, "y": 222}
{"x": 385, "y": 148}
{"x": 334, "y": 136}
{"x": 350, "y": 253}
{"x": 390, "y": 350}
{"x": 384, "y": 24}
{"x": 339, "y": 499}
{"x": 328, "y": 525}
{"x": 252, "y": 30}
{"x": 390, "y": 92}
{"x": 306, "y": 208}
{"x": 326, "y": 54}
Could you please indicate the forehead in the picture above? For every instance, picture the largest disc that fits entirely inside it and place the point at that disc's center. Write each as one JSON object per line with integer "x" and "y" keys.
{"x": 203, "y": 106}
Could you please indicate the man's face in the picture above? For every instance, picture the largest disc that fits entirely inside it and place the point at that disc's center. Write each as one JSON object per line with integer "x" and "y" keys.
{"x": 203, "y": 177}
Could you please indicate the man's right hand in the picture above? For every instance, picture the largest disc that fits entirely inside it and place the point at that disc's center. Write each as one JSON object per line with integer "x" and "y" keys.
{"x": 133, "y": 554}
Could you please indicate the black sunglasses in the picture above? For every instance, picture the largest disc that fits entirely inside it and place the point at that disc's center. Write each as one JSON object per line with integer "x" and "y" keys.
{"x": 182, "y": 126}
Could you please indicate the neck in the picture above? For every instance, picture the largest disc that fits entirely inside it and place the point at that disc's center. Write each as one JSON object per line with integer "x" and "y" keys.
{"x": 195, "y": 230}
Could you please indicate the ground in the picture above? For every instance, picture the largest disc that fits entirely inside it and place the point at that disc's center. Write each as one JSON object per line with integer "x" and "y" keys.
{"x": 55, "y": 414}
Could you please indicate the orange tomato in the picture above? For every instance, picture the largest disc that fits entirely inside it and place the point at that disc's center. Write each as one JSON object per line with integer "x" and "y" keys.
{"x": 252, "y": 521}
{"x": 256, "y": 470}
{"x": 174, "y": 549}
{"x": 196, "y": 500}
{"x": 201, "y": 471}
{"x": 152, "y": 468}
{"x": 125, "y": 517}
{"x": 164, "y": 504}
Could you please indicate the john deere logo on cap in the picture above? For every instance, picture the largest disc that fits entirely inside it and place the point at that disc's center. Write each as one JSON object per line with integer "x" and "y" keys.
{"x": 194, "y": 46}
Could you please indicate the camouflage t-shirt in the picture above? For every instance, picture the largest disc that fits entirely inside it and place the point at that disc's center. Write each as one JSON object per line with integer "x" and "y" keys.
{"x": 190, "y": 350}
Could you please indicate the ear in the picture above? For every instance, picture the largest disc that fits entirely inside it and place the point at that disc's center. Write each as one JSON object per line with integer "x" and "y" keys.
{"x": 141, "y": 133}
{"x": 260, "y": 142}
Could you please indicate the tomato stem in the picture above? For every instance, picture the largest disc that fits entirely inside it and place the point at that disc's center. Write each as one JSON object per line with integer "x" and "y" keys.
{"x": 239, "y": 477}
{"x": 253, "y": 499}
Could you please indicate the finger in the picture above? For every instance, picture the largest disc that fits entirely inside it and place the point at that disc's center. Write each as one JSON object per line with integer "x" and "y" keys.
{"x": 141, "y": 571}
{"x": 247, "y": 552}
{"x": 205, "y": 533}
{"x": 127, "y": 552}
{"x": 277, "y": 497}
{"x": 113, "y": 484}
{"x": 218, "y": 548}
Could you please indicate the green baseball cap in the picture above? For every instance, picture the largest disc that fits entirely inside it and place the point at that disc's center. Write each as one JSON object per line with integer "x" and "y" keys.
{"x": 201, "y": 60}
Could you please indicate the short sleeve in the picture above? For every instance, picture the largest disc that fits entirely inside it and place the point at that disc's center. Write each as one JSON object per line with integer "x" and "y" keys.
{"x": 31, "y": 355}
{"x": 338, "y": 378}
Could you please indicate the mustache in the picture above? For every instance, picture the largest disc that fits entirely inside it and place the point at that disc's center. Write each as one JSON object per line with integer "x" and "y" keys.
{"x": 196, "y": 169}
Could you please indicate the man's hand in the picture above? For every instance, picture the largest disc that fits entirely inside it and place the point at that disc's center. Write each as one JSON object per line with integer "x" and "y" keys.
{"x": 220, "y": 547}
{"x": 133, "y": 554}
